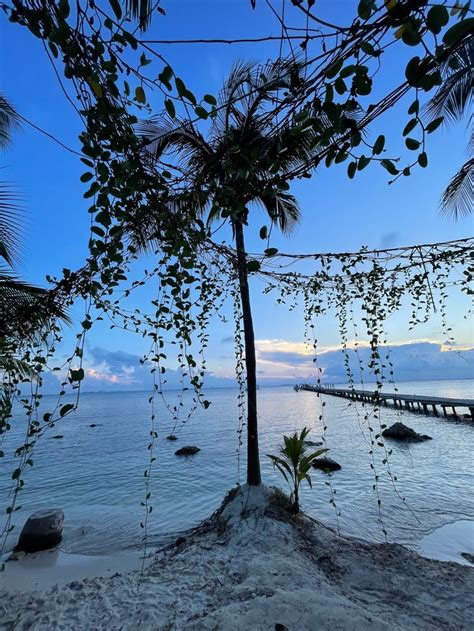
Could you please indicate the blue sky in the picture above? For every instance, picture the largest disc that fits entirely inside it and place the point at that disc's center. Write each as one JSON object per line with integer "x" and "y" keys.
{"x": 338, "y": 214}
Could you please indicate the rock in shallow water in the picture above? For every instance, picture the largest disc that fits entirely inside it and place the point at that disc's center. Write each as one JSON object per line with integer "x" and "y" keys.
{"x": 43, "y": 530}
{"x": 187, "y": 451}
{"x": 399, "y": 431}
{"x": 326, "y": 464}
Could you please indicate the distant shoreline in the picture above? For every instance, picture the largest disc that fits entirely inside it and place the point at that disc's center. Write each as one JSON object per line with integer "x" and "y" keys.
{"x": 265, "y": 387}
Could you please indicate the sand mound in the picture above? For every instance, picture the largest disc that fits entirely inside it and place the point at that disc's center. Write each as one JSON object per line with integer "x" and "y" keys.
{"x": 253, "y": 566}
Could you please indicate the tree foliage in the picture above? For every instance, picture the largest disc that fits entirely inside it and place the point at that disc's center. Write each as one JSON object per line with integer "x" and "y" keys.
{"x": 136, "y": 203}
{"x": 451, "y": 102}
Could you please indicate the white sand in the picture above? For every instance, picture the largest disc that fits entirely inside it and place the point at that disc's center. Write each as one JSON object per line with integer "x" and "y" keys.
{"x": 54, "y": 567}
{"x": 252, "y": 566}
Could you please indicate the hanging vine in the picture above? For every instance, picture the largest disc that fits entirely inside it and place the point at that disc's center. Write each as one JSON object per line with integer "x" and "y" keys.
{"x": 138, "y": 205}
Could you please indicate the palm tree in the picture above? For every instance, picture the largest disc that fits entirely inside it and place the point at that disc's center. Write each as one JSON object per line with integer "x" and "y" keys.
{"x": 24, "y": 308}
{"x": 9, "y": 224}
{"x": 451, "y": 101}
{"x": 294, "y": 463}
{"x": 241, "y": 163}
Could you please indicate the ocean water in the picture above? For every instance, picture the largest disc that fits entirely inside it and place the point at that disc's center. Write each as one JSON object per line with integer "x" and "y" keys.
{"x": 96, "y": 474}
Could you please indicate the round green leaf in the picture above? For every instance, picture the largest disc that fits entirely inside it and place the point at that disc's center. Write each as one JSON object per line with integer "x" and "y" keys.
{"x": 410, "y": 126}
{"x": 170, "y": 108}
{"x": 410, "y": 35}
{"x": 201, "y": 112}
{"x": 457, "y": 31}
{"x": 389, "y": 166}
{"x": 412, "y": 71}
{"x": 332, "y": 71}
{"x": 423, "y": 159}
{"x": 65, "y": 409}
{"x": 434, "y": 124}
{"x": 364, "y": 9}
{"x": 140, "y": 94}
{"x": 77, "y": 375}
{"x": 253, "y": 266}
{"x": 437, "y": 17}
{"x": 379, "y": 145}
{"x": 363, "y": 162}
{"x": 414, "y": 107}
{"x": 412, "y": 144}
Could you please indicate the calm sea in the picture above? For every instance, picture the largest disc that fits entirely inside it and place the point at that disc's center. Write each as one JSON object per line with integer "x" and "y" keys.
{"x": 96, "y": 474}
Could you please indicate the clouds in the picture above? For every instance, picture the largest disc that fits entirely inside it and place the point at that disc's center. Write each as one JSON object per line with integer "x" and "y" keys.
{"x": 287, "y": 358}
{"x": 292, "y": 361}
{"x": 106, "y": 368}
{"x": 414, "y": 361}
{"x": 280, "y": 362}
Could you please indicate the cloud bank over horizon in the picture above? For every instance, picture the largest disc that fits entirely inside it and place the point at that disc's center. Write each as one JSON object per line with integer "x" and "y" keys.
{"x": 281, "y": 362}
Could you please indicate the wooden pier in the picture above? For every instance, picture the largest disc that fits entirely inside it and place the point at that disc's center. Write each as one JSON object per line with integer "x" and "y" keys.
{"x": 411, "y": 402}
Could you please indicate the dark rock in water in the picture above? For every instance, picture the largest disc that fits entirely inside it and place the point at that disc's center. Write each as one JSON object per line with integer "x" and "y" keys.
{"x": 187, "y": 451}
{"x": 58, "y": 436}
{"x": 43, "y": 530}
{"x": 171, "y": 437}
{"x": 468, "y": 557}
{"x": 279, "y": 626}
{"x": 399, "y": 431}
{"x": 180, "y": 541}
{"x": 326, "y": 464}
{"x": 313, "y": 443}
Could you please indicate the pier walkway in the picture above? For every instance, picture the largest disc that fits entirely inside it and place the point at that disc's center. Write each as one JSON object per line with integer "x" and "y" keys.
{"x": 412, "y": 402}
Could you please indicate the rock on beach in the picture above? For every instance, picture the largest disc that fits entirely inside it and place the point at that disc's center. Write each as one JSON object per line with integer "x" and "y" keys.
{"x": 42, "y": 530}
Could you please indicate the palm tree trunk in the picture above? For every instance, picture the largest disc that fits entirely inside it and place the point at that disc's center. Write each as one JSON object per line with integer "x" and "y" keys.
{"x": 296, "y": 503}
{"x": 253, "y": 460}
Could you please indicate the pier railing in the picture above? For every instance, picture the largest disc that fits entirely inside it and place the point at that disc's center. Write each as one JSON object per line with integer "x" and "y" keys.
{"x": 412, "y": 402}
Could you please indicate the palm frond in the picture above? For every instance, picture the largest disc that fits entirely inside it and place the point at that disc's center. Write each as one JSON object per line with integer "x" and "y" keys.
{"x": 281, "y": 207}
{"x": 232, "y": 95}
{"x": 161, "y": 134}
{"x": 140, "y": 10}
{"x": 243, "y": 150}
{"x": 10, "y": 229}
{"x": 9, "y": 120}
{"x": 458, "y": 198}
{"x": 455, "y": 95}
{"x": 26, "y": 309}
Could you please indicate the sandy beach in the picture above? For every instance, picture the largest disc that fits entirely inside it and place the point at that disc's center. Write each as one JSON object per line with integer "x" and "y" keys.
{"x": 254, "y": 566}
